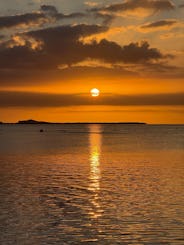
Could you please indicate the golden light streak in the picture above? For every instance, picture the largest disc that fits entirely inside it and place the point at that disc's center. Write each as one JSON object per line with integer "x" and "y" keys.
{"x": 95, "y": 173}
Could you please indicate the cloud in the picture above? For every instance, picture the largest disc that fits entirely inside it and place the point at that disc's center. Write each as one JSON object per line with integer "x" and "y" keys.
{"x": 107, "y": 18}
{"x": 159, "y": 5}
{"x": 52, "y": 11}
{"x": 47, "y": 14}
{"x": 22, "y": 20}
{"x": 160, "y": 23}
{"x": 49, "y": 9}
{"x": 51, "y": 47}
{"x": 174, "y": 35}
{"x": 138, "y": 8}
{"x": 104, "y": 35}
{"x": 23, "y": 78}
{"x": 60, "y": 46}
{"x": 30, "y": 99}
{"x": 158, "y": 69}
{"x": 22, "y": 41}
{"x": 111, "y": 52}
{"x": 91, "y": 4}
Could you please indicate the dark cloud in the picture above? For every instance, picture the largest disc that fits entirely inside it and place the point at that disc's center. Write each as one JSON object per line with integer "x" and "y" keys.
{"x": 24, "y": 19}
{"x": 62, "y": 45}
{"x": 160, "y": 23}
{"x": 47, "y": 14}
{"x": 159, "y": 5}
{"x": 111, "y": 52}
{"x": 20, "y": 77}
{"x": 28, "y": 99}
{"x": 31, "y": 77}
{"x": 49, "y": 9}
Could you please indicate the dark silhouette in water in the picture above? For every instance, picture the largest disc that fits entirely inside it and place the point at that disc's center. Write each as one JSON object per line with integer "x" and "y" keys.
{"x": 41, "y": 130}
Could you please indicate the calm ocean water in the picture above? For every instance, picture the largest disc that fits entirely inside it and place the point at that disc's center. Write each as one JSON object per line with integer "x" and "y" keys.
{"x": 91, "y": 184}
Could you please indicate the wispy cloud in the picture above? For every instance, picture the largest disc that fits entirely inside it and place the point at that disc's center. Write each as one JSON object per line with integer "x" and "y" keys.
{"x": 160, "y": 23}
{"x": 136, "y": 7}
{"x": 30, "y": 99}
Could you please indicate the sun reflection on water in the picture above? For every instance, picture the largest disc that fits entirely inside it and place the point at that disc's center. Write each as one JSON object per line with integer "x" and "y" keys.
{"x": 95, "y": 173}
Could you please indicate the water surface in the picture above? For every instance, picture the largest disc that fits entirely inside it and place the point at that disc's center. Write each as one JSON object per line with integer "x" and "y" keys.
{"x": 91, "y": 184}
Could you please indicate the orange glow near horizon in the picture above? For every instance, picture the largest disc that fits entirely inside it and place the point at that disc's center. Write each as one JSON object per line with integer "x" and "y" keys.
{"x": 81, "y": 86}
{"x": 148, "y": 114}
{"x": 107, "y": 85}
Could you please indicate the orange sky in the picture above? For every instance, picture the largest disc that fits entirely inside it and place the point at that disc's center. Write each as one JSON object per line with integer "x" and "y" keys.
{"x": 51, "y": 55}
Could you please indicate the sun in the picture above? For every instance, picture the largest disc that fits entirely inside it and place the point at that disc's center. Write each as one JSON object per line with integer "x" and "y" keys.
{"x": 95, "y": 92}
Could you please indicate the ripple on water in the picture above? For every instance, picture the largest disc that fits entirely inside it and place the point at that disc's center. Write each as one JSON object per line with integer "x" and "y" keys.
{"x": 108, "y": 189}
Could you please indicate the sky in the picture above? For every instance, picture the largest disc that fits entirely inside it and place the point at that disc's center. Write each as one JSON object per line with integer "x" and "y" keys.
{"x": 52, "y": 53}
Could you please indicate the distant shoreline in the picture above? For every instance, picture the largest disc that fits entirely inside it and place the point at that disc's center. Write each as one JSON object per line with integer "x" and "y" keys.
{"x": 81, "y": 123}
{"x": 62, "y": 123}
{"x": 86, "y": 123}
{"x": 34, "y": 122}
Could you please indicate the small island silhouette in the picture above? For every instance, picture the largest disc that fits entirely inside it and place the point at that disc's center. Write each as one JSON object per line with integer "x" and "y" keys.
{"x": 31, "y": 121}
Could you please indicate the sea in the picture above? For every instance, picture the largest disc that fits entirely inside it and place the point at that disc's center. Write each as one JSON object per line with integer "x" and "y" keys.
{"x": 91, "y": 184}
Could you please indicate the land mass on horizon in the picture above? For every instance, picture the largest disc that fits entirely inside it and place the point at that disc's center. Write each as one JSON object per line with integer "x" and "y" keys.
{"x": 31, "y": 121}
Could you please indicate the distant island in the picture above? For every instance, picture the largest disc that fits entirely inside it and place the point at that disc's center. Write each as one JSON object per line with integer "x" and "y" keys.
{"x": 30, "y": 121}
{"x": 1, "y": 122}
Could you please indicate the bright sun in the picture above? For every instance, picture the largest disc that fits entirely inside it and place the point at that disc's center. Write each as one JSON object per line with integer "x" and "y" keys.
{"x": 95, "y": 92}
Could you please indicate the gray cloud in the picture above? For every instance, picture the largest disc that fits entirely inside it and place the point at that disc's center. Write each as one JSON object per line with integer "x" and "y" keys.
{"x": 159, "y": 5}
{"x": 47, "y": 14}
{"x": 52, "y": 11}
{"x": 28, "y": 77}
{"x": 24, "y": 19}
{"x": 109, "y": 12}
{"x": 160, "y": 23}
{"x": 111, "y": 52}
{"x": 28, "y": 99}
{"x": 62, "y": 45}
